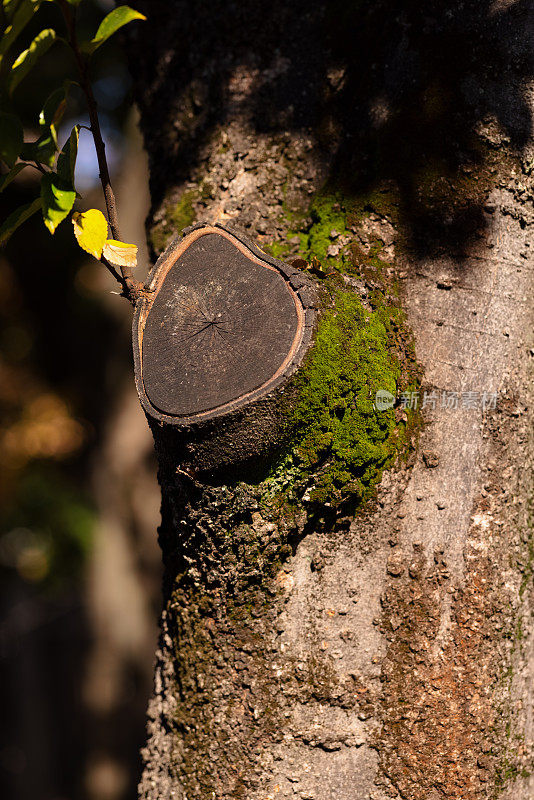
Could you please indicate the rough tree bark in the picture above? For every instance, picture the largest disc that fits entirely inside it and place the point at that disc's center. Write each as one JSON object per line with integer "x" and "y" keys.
{"x": 317, "y": 643}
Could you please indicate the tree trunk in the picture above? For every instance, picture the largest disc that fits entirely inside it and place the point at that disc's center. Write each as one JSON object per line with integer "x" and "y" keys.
{"x": 344, "y": 615}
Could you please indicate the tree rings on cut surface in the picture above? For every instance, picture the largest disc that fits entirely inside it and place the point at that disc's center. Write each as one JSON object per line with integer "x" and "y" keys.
{"x": 223, "y": 326}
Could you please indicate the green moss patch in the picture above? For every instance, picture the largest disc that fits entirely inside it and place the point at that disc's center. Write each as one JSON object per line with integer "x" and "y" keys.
{"x": 327, "y": 215}
{"x": 340, "y": 442}
{"x": 177, "y": 217}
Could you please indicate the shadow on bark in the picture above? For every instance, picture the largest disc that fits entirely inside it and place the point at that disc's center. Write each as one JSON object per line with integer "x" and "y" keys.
{"x": 395, "y": 94}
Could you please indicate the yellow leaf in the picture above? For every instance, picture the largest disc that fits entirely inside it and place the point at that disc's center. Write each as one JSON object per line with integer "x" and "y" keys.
{"x": 120, "y": 254}
{"x": 91, "y": 231}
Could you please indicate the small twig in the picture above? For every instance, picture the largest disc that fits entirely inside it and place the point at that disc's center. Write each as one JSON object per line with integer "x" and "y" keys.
{"x": 131, "y": 287}
{"x": 112, "y": 269}
{"x": 35, "y": 165}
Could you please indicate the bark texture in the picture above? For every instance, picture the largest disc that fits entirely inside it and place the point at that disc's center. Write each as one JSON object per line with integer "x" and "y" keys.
{"x": 387, "y": 653}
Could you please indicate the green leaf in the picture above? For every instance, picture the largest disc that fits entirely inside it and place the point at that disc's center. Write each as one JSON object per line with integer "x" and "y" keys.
{"x": 6, "y": 179}
{"x": 43, "y": 150}
{"x": 115, "y": 19}
{"x": 17, "y": 218}
{"x": 11, "y": 138}
{"x": 29, "y": 58}
{"x": 91, "y": 231}
{"x": 58, "y": 199}
{"x": 66, "y": 161}
{"x": 19, "y": 16}
{"x": 53, "y": 111}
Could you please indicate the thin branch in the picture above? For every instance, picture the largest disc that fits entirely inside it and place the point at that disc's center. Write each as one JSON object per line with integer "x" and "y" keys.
{"x": 39, "y": 167}
{"x": 112, "y": 269}
{"x": 35, "y": 165}
{"x": 131, "y": 286}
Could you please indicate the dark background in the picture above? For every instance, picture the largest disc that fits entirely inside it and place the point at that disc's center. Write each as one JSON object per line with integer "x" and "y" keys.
{"x": 79, "y": 504}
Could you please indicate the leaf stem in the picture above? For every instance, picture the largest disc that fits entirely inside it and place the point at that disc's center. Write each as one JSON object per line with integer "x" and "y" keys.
{"x": 131, "y": 287}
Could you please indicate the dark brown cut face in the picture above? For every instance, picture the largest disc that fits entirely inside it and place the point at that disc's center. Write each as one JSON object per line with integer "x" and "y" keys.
{"x": 223, "y": 325}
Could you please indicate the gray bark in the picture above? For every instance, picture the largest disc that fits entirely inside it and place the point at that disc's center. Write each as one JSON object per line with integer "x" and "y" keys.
{"x": 389, "y": 654}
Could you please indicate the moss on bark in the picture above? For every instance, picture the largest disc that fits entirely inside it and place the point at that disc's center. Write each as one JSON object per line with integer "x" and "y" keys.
{"x": 177, "y": 216}
{"x": 340, "y": 442}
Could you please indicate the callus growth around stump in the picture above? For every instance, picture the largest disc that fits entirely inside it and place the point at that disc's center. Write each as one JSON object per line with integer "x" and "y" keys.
{"x": 225, "y": 325}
